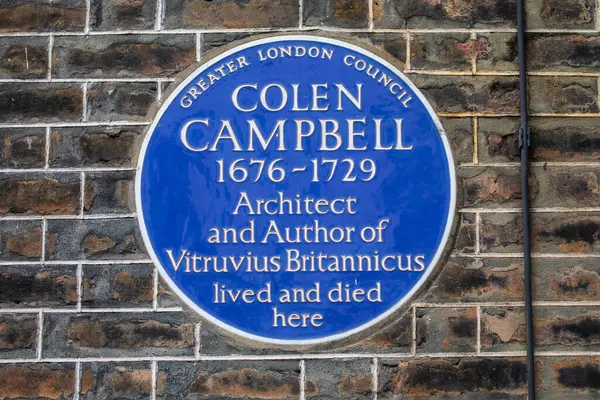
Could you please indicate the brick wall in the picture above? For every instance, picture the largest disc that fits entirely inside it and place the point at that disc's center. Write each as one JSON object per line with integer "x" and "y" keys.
{"x": 83, "y": 313}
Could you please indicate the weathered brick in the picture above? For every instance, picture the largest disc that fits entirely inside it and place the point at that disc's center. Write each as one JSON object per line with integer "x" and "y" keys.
{"x": 20, "y": 240}
{"x": 35, "y": 102}
{"x": 568, "y": 279}
{"x": 23, "y": 57}
{"x": 95, "y": 146}
{"x": 567, "y": 187}
{"x": 393, "y": 337}
{"x": 487, "y": 279}
{"x": 22, "y": 147}
{"x": 448, "y": 52}
{"x": 35, "y": 286}
{"x": 110, "y": 192}
{"x": 501, "y": 233}
{"x": 118, "y": 286}
{"x": 106, "y": 239}
{"x": 557, "y": 14}
{"x": 166, "y": 297}
{"x": 119, "y": 56}
{"x": 549, "y": 186}
{"x": 563, "y": 95}
{"x": 576, "y": 327}
{"x": 573, "y": 377}
{"x": 498, "y": 52}
{"x": 552, "y": 139}
{"x": 470, "y": 94}
{"x": 122, "y": 14}
{"x": 566, "y": 233}
{"x": 396, "y": 338}
{"x": 118, "y": 381}
{"x": 448, "y": 330}
{"x": 120, "y": 101}
{"x": 459, "y": 132}
{"x": 42, "y": 15}
{"x": 441, "y": 14}
{"x": 545, "y": 52}
{"x": 497, "y": 139}
{"x": 339, "y": 379}
{"x": 39, "y": 194}
{"x": 493, "y": 187}
{"x": 215, "y": 341}
{"x": 563, "y": 52}
{"x": 468, "y": 378}
{"x": 554, "y": 328}
{"x": 37, "y": 381}
{"x": 465, "y": 241}
{"x": 18, "y": 335}
{"x": 502, "y": 329}
{"x": 116, "y": 334}
{"x": 336, "y": 13}
{"x": 212, "y": 41}
{"x": 391, "y": 43}
{"x": 233, "y": 380}
{"x": 551, "y": 233}
{"x": 221, "y": 14}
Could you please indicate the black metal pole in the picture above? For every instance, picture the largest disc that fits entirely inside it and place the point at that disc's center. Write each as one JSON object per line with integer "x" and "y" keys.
{"x": 524, "y": 143}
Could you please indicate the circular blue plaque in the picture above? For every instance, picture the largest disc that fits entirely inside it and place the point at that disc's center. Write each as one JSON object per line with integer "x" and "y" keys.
{"x": 295, "y": 189}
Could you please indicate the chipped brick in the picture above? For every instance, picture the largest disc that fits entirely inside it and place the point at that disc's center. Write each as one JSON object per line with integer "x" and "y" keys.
{"x": 22, "y": 147}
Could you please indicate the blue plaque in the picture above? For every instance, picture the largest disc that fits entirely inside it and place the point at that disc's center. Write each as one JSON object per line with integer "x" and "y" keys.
{"x": 295, "y": 189}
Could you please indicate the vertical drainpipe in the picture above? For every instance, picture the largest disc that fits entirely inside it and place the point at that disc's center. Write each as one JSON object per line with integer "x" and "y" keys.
{"x": 524, "y": 144}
